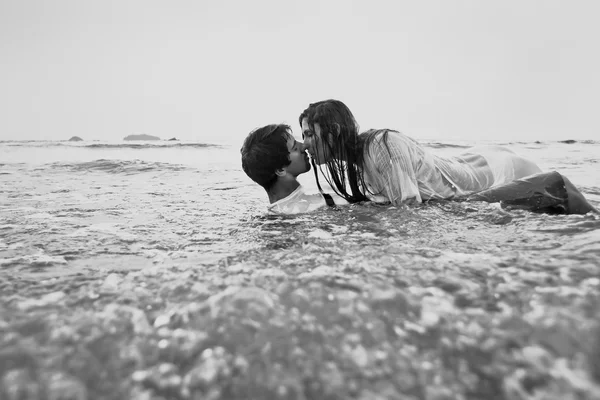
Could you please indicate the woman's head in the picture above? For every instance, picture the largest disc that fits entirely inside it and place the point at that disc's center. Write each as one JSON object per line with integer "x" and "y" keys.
{"x": 329, "y": 130}
{"x": 330, "y": 135}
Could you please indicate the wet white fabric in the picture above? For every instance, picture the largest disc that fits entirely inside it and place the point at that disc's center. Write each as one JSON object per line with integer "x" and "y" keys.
{"x": 300, "y": 202}
{"x": 410, "y": 173}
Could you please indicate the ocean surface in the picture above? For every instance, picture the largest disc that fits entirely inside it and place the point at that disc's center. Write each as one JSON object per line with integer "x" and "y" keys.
{"x": 117, "y": 209}
{"x": 68, "y": 206}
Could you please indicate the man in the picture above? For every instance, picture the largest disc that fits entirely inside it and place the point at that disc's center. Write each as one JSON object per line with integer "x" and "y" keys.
{"x": 272, "y": 158}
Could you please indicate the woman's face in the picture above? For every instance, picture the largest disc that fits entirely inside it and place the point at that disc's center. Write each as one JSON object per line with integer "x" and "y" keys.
{"x": 314, "y": 143}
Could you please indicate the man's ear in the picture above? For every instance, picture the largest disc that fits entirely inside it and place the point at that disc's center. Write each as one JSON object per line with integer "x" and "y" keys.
{"x": 280, "y": 172}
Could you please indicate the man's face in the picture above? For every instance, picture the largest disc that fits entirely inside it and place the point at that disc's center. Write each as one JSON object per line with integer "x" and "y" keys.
{"x": 299, "y": 162}
{"x": 313, "y": 141}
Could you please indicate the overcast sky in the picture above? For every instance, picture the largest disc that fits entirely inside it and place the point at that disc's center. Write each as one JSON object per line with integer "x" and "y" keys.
{"x": 213, "y": 70}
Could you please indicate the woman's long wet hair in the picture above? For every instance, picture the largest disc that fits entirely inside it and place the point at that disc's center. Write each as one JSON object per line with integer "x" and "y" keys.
{"x": 339, "y": 133}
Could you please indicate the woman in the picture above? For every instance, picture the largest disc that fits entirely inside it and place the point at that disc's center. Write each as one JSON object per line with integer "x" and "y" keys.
{"x": 390, "y": 164}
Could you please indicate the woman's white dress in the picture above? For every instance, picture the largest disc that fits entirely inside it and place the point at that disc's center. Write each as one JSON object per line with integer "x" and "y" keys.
{"x": 405, "y": 172}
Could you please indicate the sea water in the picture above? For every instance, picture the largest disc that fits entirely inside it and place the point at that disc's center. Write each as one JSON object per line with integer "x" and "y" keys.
{"x": 96, "y": 209}
{"x": 119, "y": 205}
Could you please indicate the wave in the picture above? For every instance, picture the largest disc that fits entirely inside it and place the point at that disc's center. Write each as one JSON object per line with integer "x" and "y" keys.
{"x": 446, "y": 145}
{"x": 439, "y": 145}
{"x": 139, "y": 146}
{"x": 149, "y": 146}
{"x": 572, "y": 141}
{"x": 548, "y": 142}
{"x": 521, "y": 142}
{"x": 116, "y": 166}
{"x": 177, "y": 144}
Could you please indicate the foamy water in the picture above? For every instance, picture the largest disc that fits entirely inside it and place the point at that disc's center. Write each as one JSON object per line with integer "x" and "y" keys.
{"x": 70, "y": 206}
{"x": 152, "y": 270}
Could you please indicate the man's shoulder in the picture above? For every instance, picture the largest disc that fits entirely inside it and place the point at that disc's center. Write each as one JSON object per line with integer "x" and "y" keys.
{"x": 298, "y": 202}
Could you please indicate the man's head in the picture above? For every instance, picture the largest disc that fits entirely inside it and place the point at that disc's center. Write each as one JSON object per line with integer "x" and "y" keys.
{"x": 271, "y": 152}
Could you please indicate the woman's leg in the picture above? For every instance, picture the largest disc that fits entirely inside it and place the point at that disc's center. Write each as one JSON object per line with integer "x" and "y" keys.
{"x": 548, "y": 192}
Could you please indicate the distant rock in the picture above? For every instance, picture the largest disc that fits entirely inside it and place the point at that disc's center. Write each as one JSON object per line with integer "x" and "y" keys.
{"x": 141, "y": 137}
{"x": 75, "y": 139}
{"x": 173, "y": 140}
{"x": 568, "y": 141}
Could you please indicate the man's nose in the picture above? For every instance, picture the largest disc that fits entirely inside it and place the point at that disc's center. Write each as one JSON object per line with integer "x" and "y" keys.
{"x": 305, "y": 146}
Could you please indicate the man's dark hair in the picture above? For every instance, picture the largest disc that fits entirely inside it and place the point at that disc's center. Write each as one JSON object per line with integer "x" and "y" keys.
{"x": 264, "y": 152}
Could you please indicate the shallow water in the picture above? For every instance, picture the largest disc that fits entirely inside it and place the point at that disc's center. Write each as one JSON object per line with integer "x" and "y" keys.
{"x": 99, "y": 202}
{"x": 159, "y": 227}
